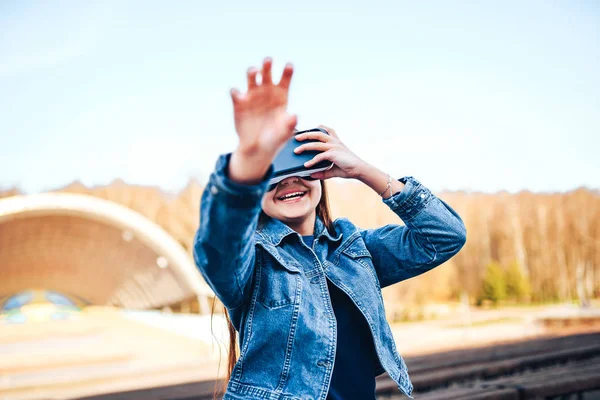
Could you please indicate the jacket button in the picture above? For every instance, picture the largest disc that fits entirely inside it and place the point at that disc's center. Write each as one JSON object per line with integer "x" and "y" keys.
{"x": 214, "y": 190}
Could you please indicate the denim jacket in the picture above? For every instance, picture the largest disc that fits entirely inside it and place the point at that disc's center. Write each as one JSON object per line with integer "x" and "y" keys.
{"x": 275, "y": 287}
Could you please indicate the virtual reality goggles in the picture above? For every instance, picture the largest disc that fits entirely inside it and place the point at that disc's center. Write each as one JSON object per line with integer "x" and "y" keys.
{"x": 287, "y": 163}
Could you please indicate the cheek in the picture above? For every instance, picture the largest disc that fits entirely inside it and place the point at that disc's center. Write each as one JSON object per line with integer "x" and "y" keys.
{"x": 267, "y": 203}
{"x": 315, "y": 192}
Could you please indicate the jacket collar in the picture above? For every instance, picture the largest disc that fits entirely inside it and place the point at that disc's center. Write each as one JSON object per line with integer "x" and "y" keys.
{"x": 274, "y": 231}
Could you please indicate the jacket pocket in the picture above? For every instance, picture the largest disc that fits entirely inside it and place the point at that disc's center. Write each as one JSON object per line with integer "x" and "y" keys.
{"x": 279, "y": 280}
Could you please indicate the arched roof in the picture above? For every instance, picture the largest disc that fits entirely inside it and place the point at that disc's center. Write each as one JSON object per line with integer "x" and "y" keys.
{"x": 93, "y": 249}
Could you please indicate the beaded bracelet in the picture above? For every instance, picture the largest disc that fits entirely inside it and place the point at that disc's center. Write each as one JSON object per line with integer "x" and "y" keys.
{"x": 388, "y": 187}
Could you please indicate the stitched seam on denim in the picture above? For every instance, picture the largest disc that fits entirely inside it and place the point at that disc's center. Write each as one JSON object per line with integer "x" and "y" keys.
{"x": 332, "y": 327}
{"x": 414, "y": 186}
{"x": 254, "y": 391}
{"x": 292, "y": 334}
{"x": 396, "y": 356}
{"x": 325, "y": 232}
{"x": 404, "y": 384}
{"x": 358, "y": 254}
{"x": 372, "y": 273}
{"x": 408, "y": 202}
{"x": 283, "y": 302}
{"x": 294, "y": 268}
{"x": 277, "y": 238}
{"x": 262, "y": 236}
{"x": 242, "y": 388}
{"x": 275, "y": 305}
{"x": 391, "y": 201}
{"x": 420, "y": 207}
{"x": 411, "y": 185}
{"x": 272, "y": 305}
{"x": 357, "y": 258}
{"x": 393, "y": 204}
{"x": 336, "y": 254}
{"x": 311, "y": 273}
{"x": 243, "y": 351}
{"x": 411, "y": 201}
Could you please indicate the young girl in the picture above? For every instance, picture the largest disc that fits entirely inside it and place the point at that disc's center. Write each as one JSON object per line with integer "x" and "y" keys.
{"x": 302, "y": 291}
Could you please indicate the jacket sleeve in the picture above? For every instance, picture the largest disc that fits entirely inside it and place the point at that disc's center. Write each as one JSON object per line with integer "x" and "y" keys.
{"x": 432, "y": 234}
{"x": 224, "y": 243}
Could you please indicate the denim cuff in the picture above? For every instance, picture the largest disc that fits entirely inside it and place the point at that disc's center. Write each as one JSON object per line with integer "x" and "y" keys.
{"x": 220, "y": 185}
{"x": 409, "y": 202}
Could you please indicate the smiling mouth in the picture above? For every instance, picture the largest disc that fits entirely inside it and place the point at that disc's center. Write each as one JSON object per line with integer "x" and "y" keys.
{"x": 292, "y": 196}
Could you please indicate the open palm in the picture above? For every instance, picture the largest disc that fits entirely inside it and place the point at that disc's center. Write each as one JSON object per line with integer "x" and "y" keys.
{"x": 261, "y": 118}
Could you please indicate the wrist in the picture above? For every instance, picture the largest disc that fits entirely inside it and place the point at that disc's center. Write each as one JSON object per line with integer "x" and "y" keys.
{"x": 372, "y": 177}
{"x": 365, "y": 173}
{"x": 248, "y": 168}
{"x": 378, "y": 181}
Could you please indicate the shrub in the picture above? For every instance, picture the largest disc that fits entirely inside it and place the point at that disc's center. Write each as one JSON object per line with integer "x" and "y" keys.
{"x": 493, "y": 288}
{"x": 517, "y": 283}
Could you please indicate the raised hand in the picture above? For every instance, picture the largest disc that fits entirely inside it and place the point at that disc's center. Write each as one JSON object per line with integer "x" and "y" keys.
{"x": 262, "y": 123}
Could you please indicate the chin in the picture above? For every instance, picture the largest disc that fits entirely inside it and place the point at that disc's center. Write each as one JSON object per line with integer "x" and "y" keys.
{"x": 294, "y": 212}
{"x": 291, "y": 216}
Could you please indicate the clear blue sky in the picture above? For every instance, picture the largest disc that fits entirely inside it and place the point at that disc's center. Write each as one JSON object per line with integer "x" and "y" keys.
{"x": 484, "y": 96}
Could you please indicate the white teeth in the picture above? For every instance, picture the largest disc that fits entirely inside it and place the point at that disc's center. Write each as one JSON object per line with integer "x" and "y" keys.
{"x": 290, "y": 195}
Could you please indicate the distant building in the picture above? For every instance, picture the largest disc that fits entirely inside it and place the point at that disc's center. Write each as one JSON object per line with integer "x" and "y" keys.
{"x": 97, "y": 252}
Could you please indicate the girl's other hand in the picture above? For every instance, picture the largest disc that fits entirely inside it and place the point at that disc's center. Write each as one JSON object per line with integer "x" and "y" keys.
{"x": 346, "y": 163}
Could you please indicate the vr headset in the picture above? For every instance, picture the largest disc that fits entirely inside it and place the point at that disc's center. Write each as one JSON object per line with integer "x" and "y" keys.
{"x": 287, "y": 163}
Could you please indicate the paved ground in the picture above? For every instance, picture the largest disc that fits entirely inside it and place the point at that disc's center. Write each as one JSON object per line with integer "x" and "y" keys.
{"x": 481, "y": 327}
{"x": 111, "y": 351}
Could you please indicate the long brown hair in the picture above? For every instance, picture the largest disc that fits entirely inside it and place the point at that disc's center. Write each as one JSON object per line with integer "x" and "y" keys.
{"x": 324, "y": 214}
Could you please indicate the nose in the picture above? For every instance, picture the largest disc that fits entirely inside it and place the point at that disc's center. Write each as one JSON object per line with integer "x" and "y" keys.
{"x": 291, "y": 179}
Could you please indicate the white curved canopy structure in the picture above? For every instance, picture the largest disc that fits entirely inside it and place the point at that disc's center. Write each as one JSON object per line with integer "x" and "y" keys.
{"x": 94, "y": 249}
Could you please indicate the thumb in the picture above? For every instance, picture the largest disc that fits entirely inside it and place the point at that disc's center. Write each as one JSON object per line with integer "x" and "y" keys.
{"x": 330, "y": 173}
{"x": 290, "y": 122}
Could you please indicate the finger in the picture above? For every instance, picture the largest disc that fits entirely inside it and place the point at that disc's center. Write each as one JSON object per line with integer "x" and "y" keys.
{"x": 332, "y": 172}
{"x": 266, "y": 72}
{"x": 329, "y": 130}
{"x": 317, "y": 146}
{"x": 236, "y": 96}
{"x": 314, "y": 135}
{"x": 318, "y": 158}
{"x": 252, "y": 72}
{"x": 286, "y": 76}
